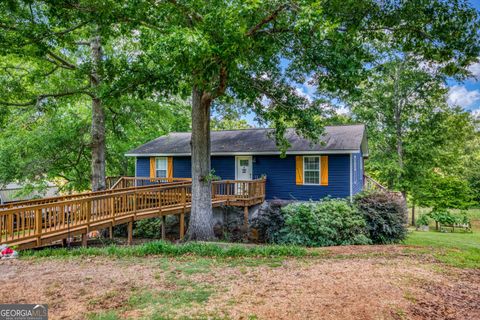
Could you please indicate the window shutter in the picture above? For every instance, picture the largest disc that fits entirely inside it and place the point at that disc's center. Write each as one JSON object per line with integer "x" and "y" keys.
{"x": 153, "y": 172}
{"x": 299, "y": 170}
{"x": 324, "y": 170}
{"x": 170, "y": 167}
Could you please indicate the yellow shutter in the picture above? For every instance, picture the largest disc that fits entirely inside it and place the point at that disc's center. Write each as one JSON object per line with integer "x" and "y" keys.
{"x": 324, "y": 170}
{"x": 153, "y": 173}
{"x": 170, "y": 168}
{"x": 299, "y": 169}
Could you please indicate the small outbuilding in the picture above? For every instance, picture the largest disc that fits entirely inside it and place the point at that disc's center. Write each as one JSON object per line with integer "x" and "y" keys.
{"x": 12, "y": 192}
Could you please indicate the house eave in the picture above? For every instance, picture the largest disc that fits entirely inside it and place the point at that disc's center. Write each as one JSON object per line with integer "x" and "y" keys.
{"x": 247, "y": 153}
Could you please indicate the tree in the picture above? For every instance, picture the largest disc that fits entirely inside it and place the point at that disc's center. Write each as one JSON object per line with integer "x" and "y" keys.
{"x": 254, "y": 52}
{"x": 440, "y": 191}
{"x": 472, "y": 161}
{"x": 54, "y": 144}
{"x": 414, "y": 136}
{"x": 51, "y": 52}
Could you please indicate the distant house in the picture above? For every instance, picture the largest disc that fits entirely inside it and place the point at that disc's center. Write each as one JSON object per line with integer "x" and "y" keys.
{"x": 12, "y": 193}
{"x": 309, "y": 171}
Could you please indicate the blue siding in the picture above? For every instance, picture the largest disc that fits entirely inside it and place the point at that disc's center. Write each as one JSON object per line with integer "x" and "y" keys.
{"x": 280, "y": 175}
{"x": 281, "y": 178}
{"x": 357, "y": 175}
{"x": 224, "y": 167}
{"x": 182, "y": 167}
{"x": 143, "y": 167}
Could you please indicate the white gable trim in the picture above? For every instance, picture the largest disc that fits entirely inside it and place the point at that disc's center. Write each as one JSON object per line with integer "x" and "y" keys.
{"x": 244, "y": 153}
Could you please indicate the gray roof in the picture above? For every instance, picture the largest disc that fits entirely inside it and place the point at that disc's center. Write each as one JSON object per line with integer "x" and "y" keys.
{"x": 336, "y": 139}
{"x": 12, "y": 192}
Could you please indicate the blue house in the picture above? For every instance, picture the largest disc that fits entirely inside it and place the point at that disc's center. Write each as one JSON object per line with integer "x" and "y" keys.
{"x": 332, "y": 168}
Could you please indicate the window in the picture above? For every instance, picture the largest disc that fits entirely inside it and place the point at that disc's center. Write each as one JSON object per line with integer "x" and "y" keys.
{"x": 161, "y": 167}
{"x": 311, "y": 170}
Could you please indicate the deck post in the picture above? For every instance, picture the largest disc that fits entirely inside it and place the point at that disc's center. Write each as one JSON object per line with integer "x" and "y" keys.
{"x": 84, "y": 240}
{"x": 163, "y": 227}
{"x": 182, "y": 215}
{"x": 245, "y": 216}
{"x": 130, "y": 233}
{"x": 38, "y": 225}
{"x": 110, "y": 232}
{"x": 182, "y": 226}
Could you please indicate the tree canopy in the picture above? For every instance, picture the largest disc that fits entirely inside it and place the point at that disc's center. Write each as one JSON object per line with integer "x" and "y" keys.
{"x": 231, "y": 54}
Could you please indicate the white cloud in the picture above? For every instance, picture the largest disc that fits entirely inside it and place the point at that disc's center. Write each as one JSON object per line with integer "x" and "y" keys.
{"x": 303, "y": 94}
{"x": 343, "y": 110}
{"x": 306, "y": 89}
{"x": 475, "y": 70}
{"x": 460, "y": 96}
{"x": 476, "y": 113}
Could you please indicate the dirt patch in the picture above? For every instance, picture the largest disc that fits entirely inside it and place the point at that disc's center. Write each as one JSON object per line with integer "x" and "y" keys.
{"x": 327, "y": 289}
{"x": 358, "y": 250}
{"x": 454, "y": 299}
{"x": 364, "y": 283}
{"x": 72, "y": 288}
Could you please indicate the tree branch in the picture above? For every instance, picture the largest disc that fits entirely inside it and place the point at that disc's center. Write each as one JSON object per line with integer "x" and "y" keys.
{"x": 222, "y": 85}
{"x": 39, "y": 98}
{"x": 190, "y": 15}
{"x": 61, "y": 33}
{"x": 266, "y": 20}
{"x": 65, "y": 64}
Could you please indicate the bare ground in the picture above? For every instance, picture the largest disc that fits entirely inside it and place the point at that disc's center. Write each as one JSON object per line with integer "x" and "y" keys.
{"x": 348, "y": 283}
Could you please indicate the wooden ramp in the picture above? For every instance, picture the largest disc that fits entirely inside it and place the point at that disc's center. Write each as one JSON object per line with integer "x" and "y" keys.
{"x": 38, "y": 222}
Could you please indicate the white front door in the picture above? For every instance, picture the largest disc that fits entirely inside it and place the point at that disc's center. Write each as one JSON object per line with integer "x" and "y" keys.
{"x": 244, "y": 168}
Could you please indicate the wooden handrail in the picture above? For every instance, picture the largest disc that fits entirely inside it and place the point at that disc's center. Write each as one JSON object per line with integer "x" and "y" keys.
{"x": 369, "y": 180}
{"x": 129, "y": 182}
{"x": 33, "y": 221}
{"x": 75, "y": 196}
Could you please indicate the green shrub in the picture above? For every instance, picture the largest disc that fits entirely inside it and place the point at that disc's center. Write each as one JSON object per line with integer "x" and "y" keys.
{"x": 148, "y": 228}
{"x": 385, "y": 214}
{"x": 325, "y": 223}
{"x": 442, "y": 216}
{"x": 424, "y": 220}
{"x": 445, "y": 217}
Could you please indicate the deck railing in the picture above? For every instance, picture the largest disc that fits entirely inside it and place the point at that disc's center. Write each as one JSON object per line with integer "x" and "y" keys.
{"x": 129, "y": 182}
{"x": 74, "y": 196}
{"x": 371, "y": 184}
{"x": 54, "y": 217}
{"x": 239, "y": 189}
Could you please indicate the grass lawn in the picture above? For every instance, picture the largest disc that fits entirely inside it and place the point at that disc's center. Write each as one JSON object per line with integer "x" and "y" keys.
{"x": 459, "y": 249}
{"x": 161, "y": 280}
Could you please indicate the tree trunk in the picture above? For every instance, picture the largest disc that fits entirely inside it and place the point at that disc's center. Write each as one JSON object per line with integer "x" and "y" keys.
{"x": 398, "y": 106}
{"x": 98, "y": 120}
{"x": 201, "y": 218}
{"x": 413, "y": 213}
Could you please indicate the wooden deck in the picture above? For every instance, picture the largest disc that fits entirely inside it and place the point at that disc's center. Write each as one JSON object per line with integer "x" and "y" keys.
{"x": 35, "y": 223}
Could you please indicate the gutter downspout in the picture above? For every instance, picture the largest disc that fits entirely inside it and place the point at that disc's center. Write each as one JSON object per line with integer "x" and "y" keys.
{"x": 351, "y": 188}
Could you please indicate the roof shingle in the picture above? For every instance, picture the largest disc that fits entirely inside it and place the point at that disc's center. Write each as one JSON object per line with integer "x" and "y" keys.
{"x": 336, "y": 138}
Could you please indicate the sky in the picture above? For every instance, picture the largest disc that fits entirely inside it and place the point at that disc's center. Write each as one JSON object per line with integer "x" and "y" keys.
{"x": 465, "y": 94}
